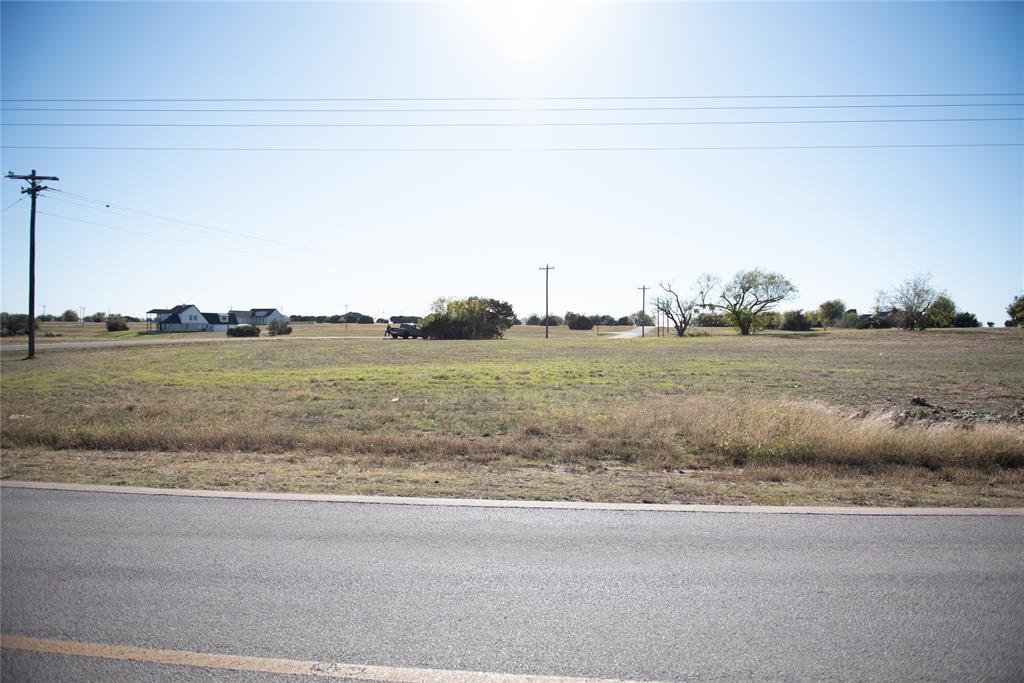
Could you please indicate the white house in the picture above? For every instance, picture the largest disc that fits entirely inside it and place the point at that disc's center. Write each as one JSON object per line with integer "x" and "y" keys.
{"x": 188, "y": 318}
{"x": 259, "y": 316}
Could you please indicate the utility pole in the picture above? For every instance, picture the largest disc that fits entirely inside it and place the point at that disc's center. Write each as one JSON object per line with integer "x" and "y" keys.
{"x": 643, "y": 305}
{"x": 33, "y": 189}
{"x": 547, "y": 271}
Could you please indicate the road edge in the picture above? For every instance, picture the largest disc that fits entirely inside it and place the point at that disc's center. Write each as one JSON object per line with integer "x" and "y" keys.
{"x": 535, "y": 504}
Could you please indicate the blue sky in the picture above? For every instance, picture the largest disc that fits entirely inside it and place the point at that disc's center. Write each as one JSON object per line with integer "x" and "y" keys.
{"x": 387, "y": 232}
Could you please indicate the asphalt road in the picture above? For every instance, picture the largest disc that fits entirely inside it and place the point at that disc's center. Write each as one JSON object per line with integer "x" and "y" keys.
{"x": 636, "y": 595}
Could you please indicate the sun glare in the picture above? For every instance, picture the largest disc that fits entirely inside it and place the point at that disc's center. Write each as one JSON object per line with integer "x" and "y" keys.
{"x": 524, "y": 30}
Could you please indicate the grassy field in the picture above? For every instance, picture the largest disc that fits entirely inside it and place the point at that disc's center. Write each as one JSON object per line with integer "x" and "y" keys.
{"x": 848, "y": 417}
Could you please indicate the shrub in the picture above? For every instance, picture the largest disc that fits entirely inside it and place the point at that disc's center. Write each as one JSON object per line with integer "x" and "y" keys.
{"x": 575, "y": 321}
{"x": 116, "y": 323}
{"x": 278, "y": 327}
{"x": 849, "y": 319}
{"x": 472, "y": 318}
{"x": 795, "y": 321}
{"x": 764, "y": 321}
{"x": 244, "y": 331}
{"x": 965, "y": 319}
{"x": 14, "y": 324}
{"x": 711, "y": 320}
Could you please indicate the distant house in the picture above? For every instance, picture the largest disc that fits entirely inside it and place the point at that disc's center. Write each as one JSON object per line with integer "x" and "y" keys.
{"x": 188, "y": 318}
{"x": 259, "y": 316}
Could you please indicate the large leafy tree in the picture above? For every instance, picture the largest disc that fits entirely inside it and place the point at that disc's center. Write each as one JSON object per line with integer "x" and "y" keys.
{"x": 941, "y": 313}
{"x": 472, "y": 318}
{"x": 747, "y": 298}
{"x": 1016, "y": 311}
{"x": 831, "y": 312}
{"x": 912, "y": 298}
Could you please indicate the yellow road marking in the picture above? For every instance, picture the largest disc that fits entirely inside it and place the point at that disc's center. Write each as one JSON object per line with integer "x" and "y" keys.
{"x": 297, "y": 667}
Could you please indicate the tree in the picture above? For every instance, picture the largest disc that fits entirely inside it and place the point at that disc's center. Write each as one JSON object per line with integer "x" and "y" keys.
{"x": 577, "y": 321}
{"x": 831, "y": 312}
{"x": 941, "y": 313}
{"x": 472, "y": 318}
{"x": 98, "y": 317}
{"x": 795, "y": 321}
{"x": 965, "y": 319}
{"x": 679, "y": 308}
{"x": 641, "y": 318}
{"x": 116, "y": 323}
{"x": 747, "y": 298}
{"x": 14, "y": 324}
{"x": 912, "y": 298}
{"x": 69, "y": 316}
{"x": 357, "y": 318}
{"x": 534, "y": 319}
{"x": 850, "y": 319}
{"x": 1016, "y": 311}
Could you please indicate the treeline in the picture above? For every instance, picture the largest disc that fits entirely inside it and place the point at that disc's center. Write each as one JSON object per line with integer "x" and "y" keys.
{"x": 14, "y": 324}
{"x": 353, "y": 317}
{"x": 578, "y": 321}
{"x": 747, "y": 302}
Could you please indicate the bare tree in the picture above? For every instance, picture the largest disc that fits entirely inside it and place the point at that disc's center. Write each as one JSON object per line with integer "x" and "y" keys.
{"x": 747, "y": 297}
{"x": 677, "y": 307}
{"x": 913, "y": 297}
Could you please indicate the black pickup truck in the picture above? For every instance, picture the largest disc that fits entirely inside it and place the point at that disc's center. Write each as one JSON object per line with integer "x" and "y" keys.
{"x": 405, "y": 331}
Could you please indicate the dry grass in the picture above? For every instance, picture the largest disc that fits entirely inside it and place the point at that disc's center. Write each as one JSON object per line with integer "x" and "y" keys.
{"x": 787, "y": 418}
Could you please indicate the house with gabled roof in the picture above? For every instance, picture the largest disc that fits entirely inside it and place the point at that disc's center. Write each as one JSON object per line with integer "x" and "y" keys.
{"x": 188, "y": 318}
{"x": 259, "y": 316}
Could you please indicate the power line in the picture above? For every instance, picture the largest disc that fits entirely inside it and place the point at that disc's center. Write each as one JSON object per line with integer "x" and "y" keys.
{"x": 504, "y": 109}
{"x": 509, "y": 149}
{"x": 168, "y": 221}
{"x": 174, "y": 239}
{"x": 497, "y": 125}
{"x": 13, "y": 204}
{"x": 513, "y": 99}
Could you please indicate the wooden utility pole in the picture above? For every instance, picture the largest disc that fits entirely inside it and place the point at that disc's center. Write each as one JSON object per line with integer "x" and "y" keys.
{"x": 547, "y": 271}
{"x": 643, "y": 307}
{"x": 33, "y": 189}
